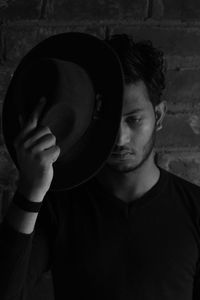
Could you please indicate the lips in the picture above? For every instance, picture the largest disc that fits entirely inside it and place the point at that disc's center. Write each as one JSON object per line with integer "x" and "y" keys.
{"x": 121, "y": 152}
{"x": 122, "y": 155}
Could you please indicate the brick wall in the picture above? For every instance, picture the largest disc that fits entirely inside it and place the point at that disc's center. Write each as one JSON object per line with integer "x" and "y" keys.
{"x": 173, "y": 26}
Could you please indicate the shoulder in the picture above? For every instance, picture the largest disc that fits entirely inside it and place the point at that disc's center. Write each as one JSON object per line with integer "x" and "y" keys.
{"x": 187, "y": 191}
{"x": 181, "y": 182}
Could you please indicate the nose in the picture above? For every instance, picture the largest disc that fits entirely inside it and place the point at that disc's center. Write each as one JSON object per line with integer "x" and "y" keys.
{"x": 124, "y": 134}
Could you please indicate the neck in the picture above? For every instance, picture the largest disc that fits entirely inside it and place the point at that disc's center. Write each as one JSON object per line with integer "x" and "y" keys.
{"x": 132, "y": 185}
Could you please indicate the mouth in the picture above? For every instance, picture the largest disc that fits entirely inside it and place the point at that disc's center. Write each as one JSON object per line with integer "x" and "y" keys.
{"x": 122, "y": 155}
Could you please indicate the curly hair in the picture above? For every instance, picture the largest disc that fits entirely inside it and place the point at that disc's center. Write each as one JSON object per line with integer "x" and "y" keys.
{"x": 141, "y": 61}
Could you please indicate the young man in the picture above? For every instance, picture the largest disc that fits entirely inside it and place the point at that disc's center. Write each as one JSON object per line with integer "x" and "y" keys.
{"x": 131, "y": 170}
{"x": 132, "y": 232}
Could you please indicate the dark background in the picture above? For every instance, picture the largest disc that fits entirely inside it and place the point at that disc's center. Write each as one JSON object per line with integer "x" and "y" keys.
{"x": 172, "y": 25}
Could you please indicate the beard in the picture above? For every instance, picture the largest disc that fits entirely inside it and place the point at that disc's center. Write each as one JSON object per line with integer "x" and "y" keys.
{"x": 146, "y": 152}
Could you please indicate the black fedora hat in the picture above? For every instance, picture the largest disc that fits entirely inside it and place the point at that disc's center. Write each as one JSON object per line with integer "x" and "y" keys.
{"x": 81, "y": 77}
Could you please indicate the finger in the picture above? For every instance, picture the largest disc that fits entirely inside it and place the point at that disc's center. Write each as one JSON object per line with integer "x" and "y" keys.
{"x": 31, "y": 123}
{"x": 50, "y": 155}
{"x": 33, "y": 119}
{"x": 35, "y": 135}
{"x": 43, "y": 143}
{"x": 37, "y": 111}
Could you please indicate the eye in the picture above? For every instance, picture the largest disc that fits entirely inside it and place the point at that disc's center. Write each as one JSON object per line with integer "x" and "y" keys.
{"x": 133, "y": 121}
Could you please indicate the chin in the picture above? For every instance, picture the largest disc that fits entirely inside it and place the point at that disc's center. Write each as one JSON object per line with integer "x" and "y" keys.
{"x": 124, "y": 167}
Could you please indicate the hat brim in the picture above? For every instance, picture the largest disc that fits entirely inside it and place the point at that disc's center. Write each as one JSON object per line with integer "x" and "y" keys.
{"x": 104, "y": 68}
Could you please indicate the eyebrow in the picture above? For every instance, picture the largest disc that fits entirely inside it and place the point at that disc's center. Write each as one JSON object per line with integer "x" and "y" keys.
{"x": 133, "y": 111}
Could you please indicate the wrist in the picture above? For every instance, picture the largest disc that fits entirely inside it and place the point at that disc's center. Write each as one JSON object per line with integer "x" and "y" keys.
{"x": 30, "y": 193}
{"x": 25, "y": 204}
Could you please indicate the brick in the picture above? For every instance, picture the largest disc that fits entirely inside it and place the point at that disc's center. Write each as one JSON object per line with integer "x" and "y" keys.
{"x": 8, "y": 171}
{"x": 99, "y": 10}
{"x": 177, "y": 62}
{"x": 20, "y": 10}
{"x": 5, "y": 77}
{"x": 2, "y": 142}
{"x": 85, "y": 10}
{"x": 173, "y": 40}
{"x": 170, "y": 9}
{"x": 183, "y": 89}
{"x": 183, "y": 164}
{"x": 130, "y": 10}
{"x": 20, "y": 39}
{"x": 180, "y": 131}
{"x": 157, "y": 9}
{"x": 183, "y": 10}
{"x": 73, "y": 11}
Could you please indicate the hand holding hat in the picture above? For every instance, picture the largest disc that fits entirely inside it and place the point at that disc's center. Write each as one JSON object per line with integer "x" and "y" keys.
{"x": 36, "y": 150}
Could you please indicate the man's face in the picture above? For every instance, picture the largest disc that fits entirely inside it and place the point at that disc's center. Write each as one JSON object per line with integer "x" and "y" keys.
{"x": 137, "y": 130}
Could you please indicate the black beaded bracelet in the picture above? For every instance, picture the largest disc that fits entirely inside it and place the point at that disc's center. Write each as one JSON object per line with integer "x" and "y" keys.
{"x": 26, "y": 204}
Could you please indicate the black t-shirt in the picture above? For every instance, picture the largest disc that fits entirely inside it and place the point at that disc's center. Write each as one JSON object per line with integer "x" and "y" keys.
{"x": 99, "y": 247}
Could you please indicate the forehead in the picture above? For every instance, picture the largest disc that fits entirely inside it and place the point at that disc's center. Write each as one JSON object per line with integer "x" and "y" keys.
{"x": 136, "y": 97}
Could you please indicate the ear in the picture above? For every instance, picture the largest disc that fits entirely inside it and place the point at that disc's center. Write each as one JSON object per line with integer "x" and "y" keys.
{"x": 160, "y": 112}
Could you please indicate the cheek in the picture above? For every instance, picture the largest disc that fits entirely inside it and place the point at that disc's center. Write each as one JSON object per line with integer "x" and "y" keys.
{"x": 142, "y": 134}
{"x": 148, "y": 128}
